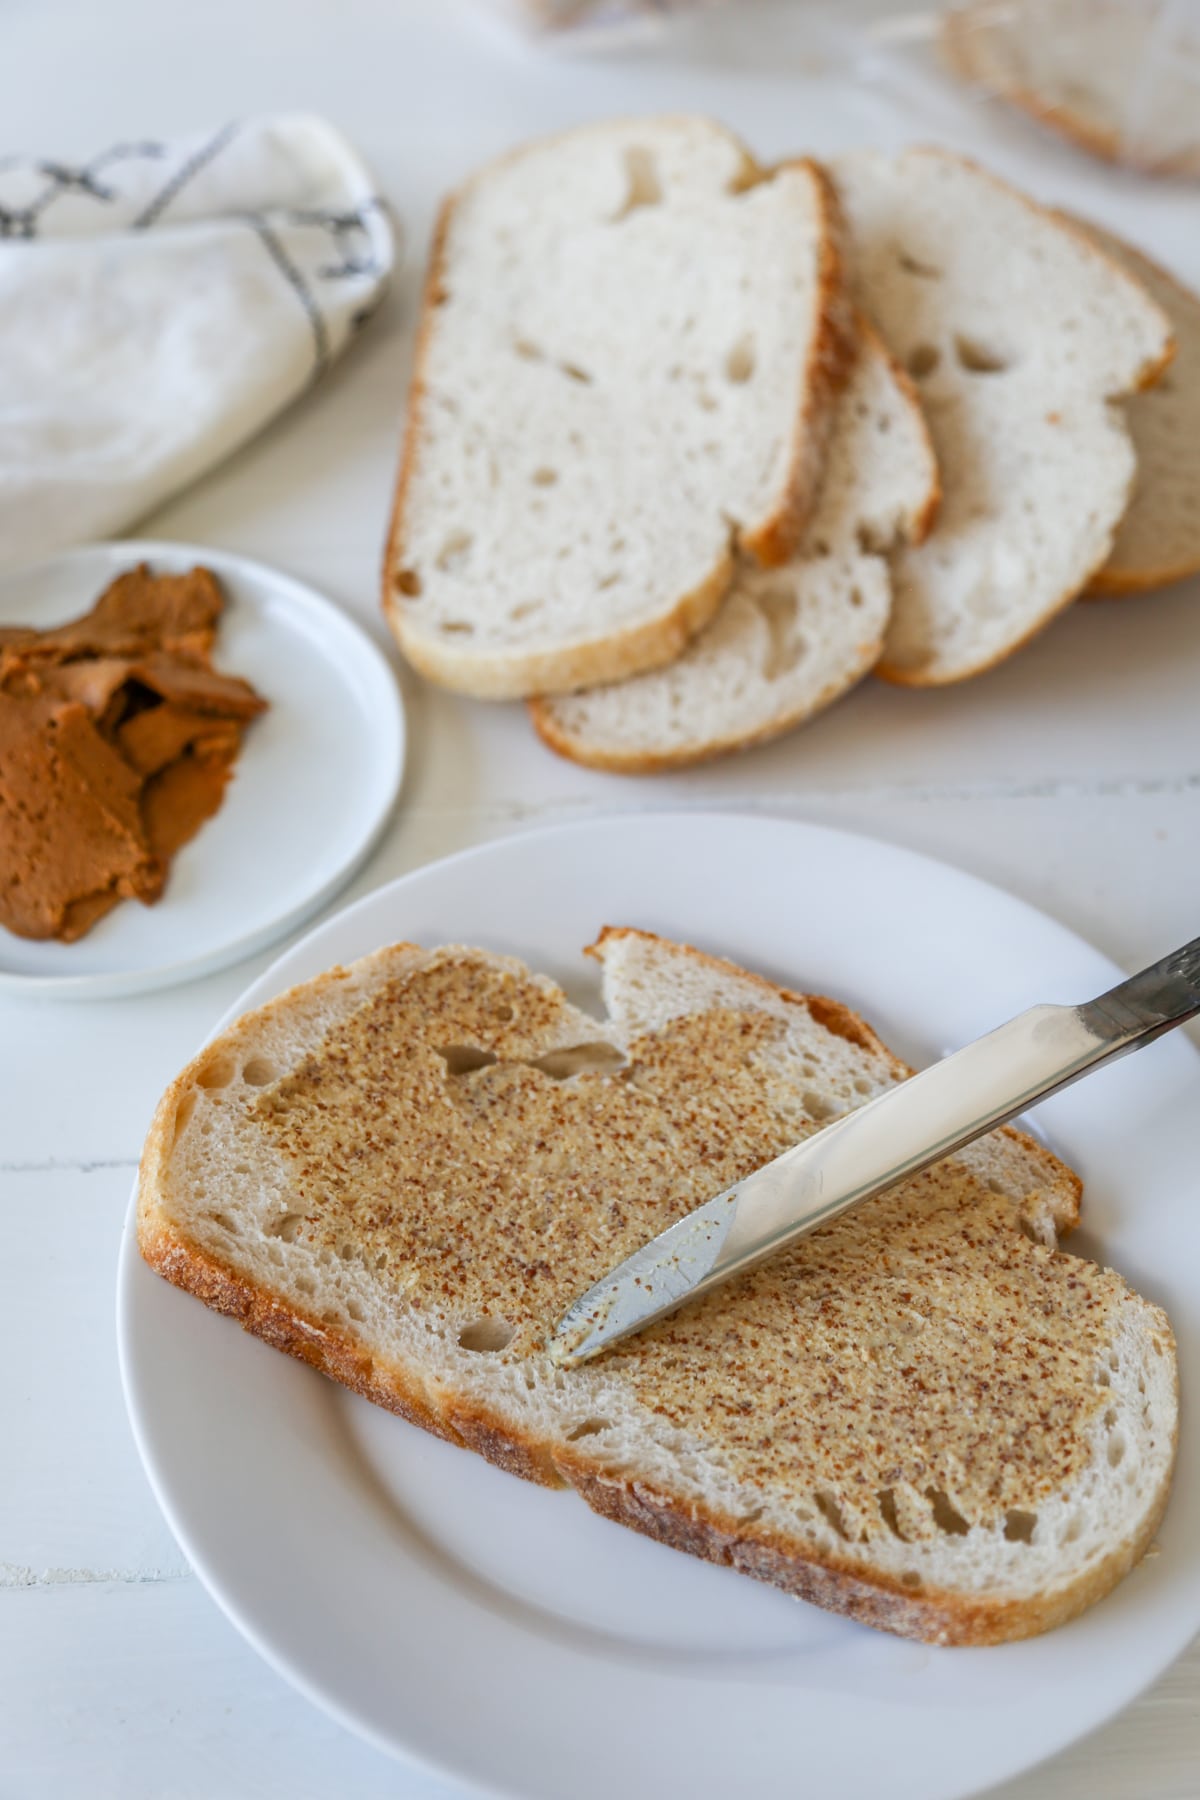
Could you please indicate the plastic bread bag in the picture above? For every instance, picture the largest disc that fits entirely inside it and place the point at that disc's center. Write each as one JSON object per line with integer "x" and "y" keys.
{"x": 1121, "y": 78}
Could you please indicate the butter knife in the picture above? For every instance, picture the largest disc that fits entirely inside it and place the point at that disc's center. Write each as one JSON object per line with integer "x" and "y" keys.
{"x": 900, "y": 1132}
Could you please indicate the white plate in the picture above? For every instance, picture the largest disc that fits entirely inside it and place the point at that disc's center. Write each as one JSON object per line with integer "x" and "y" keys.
{"x": 503, "y": 1633}
{"x": 312, "y": 789}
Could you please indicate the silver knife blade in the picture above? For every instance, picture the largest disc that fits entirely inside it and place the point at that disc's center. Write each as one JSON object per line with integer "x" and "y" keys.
{"x": 900, "y": 1132}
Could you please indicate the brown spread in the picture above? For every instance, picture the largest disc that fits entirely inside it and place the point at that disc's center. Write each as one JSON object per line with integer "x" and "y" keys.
{"x": 117, "y": 738}
{"x": 920, "y": 1351}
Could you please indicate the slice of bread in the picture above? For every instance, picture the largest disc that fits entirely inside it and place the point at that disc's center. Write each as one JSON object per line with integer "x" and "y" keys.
{"x": 1020, "y": 335}
{"x": 924, "y": 1416}
{"x": 631, "y": 348}
{"x": 1103, "y": 73}
{"x": 786, "y": 642}
{"x": 1158, "y": 540}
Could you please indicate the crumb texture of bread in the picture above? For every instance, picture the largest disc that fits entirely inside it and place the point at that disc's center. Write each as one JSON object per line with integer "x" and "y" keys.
{"x": 1158, "y": 540}
{"x": 786, "y": 642}
{"x": 925, "y": 1415}
{"x": 632, "y": 343}
{"x": 1021, "y": 337}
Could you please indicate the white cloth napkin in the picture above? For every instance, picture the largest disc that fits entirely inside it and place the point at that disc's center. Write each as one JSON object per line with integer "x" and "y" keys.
{"x": 159, "y": 303}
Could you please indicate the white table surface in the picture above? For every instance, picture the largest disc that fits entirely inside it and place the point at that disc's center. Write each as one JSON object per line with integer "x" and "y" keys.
{"x": 1070, "y": 776}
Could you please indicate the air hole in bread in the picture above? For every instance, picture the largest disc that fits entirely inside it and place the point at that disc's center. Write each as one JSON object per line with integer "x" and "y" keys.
{"x": 751, "y": 1516}
{"x": 831, "y": 1511}
{"x": 979, "y": 359}
{"x": 913, "y": 265}
{"x": 1110, "y": 1418}
{"x": 305, "y": 1286}
{"x": 454, "y": 551}
{"x": 910, "y": 1579}
{"x": 1025, "y": 1226}
{"x": 1103, "y": 1379}
{"x": 786, "y": 646}
{"x": 741, "y": 361}
{"x": 1018, "y": 1525}
{"x": 817, "y": 1106}
{"x": 589, "y": 1428}
{"x": 218, "y": 1073}
{"x": 643, "y": 185}
{"x": 355, "y": 1311}
{"x": 463, "y": 1059}
{"x": 886, "y": 1501}
{"x": 946, "y": 1515}
{"x": 487, "y": 1335}
{"x": 527, "y": 351}
{"x": 258, "y": 1072}
{"x": 544, "y": 477}
{"x": 872, "y": 542}
{"x": 862, "y": 1085}
{"x": 408, "y": 582}
{"x": 575, "y": 373}
{"x": 923, "y": 360}
{"x": 183, "y": 1113}
{"x": 1116, "y": 1451}
{"x": 1074, "y": 1528}
{"x": 225, "y": 1222}
{"x": 285, "y": 1226}
{"x": 505, "y": 1013}
{"x": 526, "y": 610}
{"x": 599, "y": 1058}
{"x": 456, "y": 628}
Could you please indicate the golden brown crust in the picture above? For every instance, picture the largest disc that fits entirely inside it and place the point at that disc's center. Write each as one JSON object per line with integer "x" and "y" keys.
{"x": 839, "y": 1584}
{"x": 640, "y": 762}
{"x": 582, "y": 665}
{"x": 831, "y": 358}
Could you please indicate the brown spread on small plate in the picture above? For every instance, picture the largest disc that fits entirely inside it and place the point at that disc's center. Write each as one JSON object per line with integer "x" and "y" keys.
{"x": 117, "y": 737}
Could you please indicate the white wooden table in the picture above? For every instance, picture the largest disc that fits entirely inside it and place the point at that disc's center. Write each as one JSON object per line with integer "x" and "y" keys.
{"x": 1070, "y": 776}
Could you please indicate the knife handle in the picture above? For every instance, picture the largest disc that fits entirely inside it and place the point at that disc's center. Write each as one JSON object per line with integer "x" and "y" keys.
{"x": 1139, "y": 1010}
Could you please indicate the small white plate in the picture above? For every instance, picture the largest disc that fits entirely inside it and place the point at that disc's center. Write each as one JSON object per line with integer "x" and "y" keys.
{"x": 503, "y": 1633}
{"x": 312, "y": 788}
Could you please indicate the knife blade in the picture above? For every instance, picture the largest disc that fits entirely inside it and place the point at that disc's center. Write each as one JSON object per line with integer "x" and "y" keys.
{"x": 895, "y": 1135}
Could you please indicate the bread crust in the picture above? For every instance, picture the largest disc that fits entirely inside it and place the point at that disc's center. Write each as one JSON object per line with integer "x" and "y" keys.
{"x": 613, "y": 656}
{"x": 830, "y": 360}
{"x": 837, "y": 1581}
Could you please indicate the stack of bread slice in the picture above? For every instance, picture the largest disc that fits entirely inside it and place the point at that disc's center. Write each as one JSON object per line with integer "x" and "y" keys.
{"x": 694, "y": 445}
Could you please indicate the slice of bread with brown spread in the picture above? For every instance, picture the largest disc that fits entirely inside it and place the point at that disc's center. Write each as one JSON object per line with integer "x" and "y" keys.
{"x": 925, "y": 1415}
